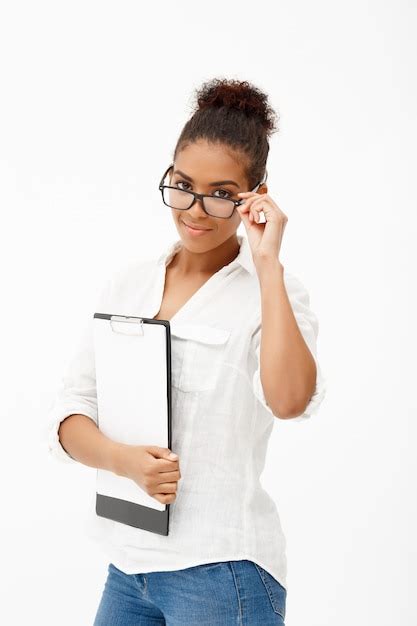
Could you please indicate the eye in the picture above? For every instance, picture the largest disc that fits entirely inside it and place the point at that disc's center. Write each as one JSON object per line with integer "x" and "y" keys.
{"x": 182, "y": 182}
{"x": 229, "y": 194}
{"x": 224, "y": 192}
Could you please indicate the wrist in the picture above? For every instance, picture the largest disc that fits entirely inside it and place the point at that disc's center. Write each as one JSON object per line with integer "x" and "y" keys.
{"x": 268, "y": 267}
{"x": 117, "y": 457}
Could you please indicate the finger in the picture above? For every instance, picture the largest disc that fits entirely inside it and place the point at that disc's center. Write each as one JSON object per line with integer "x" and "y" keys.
{"x": 248, "y": 197}
{"x": 165, "y": 498}
{"x": 265, "y": 205}
{"x": 247, "y": 215}
{"x": 168, "y": 477}
{"x": 166, "y": 488}
{"x": 253, "y": 201}
{"x": 269, "y": 201}
{"x": 255, "y": 209}
{"x": 246, "y": 194}
{"x": 165, "y": 465}
{"x": 244, "y": 215}
{"x": 244, "y": 209}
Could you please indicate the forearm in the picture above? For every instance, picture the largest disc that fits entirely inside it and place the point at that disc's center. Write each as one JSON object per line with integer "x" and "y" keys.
{"x": 81, "y": 438}
{"x": 287, "y": 367}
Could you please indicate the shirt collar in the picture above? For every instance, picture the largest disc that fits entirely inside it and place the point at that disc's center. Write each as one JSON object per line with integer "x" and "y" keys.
{"x": 244, "y": 257}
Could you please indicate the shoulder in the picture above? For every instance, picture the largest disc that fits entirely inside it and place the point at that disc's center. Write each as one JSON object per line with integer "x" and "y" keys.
{"x": 126, "y": 280}
{"x": 132, "y": 271}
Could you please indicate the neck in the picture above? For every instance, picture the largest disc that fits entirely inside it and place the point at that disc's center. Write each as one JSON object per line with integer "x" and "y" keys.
{"x": 188, "y": 262}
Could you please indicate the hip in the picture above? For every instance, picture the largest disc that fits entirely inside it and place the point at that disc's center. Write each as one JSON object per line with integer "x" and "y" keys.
{"x": 222, "y": 592}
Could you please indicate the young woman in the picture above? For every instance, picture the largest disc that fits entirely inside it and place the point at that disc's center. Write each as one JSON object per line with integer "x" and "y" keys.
{"x": 243, "y": 341}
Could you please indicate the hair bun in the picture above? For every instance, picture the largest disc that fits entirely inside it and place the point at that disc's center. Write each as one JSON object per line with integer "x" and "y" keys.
{"x": 240, "y": 96}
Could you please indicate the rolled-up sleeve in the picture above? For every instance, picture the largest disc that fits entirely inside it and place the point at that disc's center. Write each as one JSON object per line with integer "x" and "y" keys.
{"x": 308, "y": 324}
{"x": 77, "y": 391}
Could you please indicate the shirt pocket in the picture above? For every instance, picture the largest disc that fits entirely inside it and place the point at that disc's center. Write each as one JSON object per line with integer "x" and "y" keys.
{"x": 197, "y": 353}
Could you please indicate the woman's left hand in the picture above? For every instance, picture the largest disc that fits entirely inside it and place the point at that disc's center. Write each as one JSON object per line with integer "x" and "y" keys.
{"x": 264, "y": 239}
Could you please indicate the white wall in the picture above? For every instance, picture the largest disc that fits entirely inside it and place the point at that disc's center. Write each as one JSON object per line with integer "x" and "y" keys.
{"x": 94, "y": 95}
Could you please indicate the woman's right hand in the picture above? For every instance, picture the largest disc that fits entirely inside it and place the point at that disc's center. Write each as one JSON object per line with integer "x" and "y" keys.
{"x": 151, "y": 468}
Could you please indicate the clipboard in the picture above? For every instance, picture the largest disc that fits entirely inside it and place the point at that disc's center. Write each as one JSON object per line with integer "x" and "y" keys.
{"x": 133, "y": 378}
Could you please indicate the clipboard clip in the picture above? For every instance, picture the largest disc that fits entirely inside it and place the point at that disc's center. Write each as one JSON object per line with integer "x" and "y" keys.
{"x": 135, "y": 324}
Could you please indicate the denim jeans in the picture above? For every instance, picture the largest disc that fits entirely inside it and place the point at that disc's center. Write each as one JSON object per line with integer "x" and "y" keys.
{"x": 213, "y": 594}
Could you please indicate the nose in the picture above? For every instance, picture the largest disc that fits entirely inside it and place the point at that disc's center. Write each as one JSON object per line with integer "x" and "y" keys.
{"x": 198, "y": 207}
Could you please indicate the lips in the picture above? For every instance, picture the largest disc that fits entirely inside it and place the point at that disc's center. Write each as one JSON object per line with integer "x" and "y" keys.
{"x": 195, "y": 227}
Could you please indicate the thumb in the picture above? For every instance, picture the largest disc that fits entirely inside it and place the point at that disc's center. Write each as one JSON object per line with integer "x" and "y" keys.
{"x": 244, "y": 216}
{"x": 162, "y": 453}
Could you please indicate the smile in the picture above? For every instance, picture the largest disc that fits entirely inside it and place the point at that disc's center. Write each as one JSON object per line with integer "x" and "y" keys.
{"x": 195, "y": 231}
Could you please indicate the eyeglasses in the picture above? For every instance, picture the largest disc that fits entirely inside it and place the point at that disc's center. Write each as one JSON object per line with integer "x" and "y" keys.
{"x": 213, "y": 205}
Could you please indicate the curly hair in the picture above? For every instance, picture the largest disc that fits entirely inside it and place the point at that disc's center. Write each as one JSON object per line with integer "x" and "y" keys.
{"x": 236, "y": 114}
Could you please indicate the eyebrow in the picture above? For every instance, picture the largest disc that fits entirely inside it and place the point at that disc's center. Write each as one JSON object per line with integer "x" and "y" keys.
{"x": 217, "y": 182}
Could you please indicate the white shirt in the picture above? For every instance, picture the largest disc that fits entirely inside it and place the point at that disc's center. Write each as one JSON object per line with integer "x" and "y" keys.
{"x": 221, "y": 422}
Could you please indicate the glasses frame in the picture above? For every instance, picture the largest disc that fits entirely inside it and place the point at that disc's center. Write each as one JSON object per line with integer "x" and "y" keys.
{"x": 201, "y": 196}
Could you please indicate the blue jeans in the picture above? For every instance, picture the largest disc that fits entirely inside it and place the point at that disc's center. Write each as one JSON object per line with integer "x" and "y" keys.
{"x": 213, "y": 594}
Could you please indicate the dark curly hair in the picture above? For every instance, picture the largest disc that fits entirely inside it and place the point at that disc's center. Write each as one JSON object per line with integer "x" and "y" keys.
{"x": 237, "y": 114}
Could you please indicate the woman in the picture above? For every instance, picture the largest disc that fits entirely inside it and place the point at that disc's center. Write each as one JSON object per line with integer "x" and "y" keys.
{"x": 243, "y": 344}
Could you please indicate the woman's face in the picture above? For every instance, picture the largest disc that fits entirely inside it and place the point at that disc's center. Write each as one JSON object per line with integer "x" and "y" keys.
{"x": 196, "y": 168}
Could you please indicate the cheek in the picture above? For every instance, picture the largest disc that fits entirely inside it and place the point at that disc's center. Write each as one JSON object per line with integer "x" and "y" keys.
{"x": 235, "y": 219}
{"x": 226, "y": 228}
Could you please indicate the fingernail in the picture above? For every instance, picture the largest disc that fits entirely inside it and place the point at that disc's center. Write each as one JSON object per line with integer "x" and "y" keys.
{"x": 173, "y": 456}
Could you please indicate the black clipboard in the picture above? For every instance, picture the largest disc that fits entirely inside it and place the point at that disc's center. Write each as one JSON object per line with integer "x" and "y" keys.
{"x": 133, "y": 378}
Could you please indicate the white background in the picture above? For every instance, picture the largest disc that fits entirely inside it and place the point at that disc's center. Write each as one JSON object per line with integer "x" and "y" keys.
{"x": 93, "y": 98}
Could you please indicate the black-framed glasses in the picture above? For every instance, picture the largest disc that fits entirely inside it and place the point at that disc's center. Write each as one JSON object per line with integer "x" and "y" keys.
{"x": 183, "y": 200}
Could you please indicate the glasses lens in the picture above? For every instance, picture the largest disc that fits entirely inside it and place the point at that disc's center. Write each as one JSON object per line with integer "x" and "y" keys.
{"x": 219, "y": 207}
{"x": 179, "y": 199}
{"x": 176, "y": 198}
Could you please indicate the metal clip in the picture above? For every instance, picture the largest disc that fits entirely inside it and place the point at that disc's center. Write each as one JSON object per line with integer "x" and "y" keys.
{"x": 136, "y": 321}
